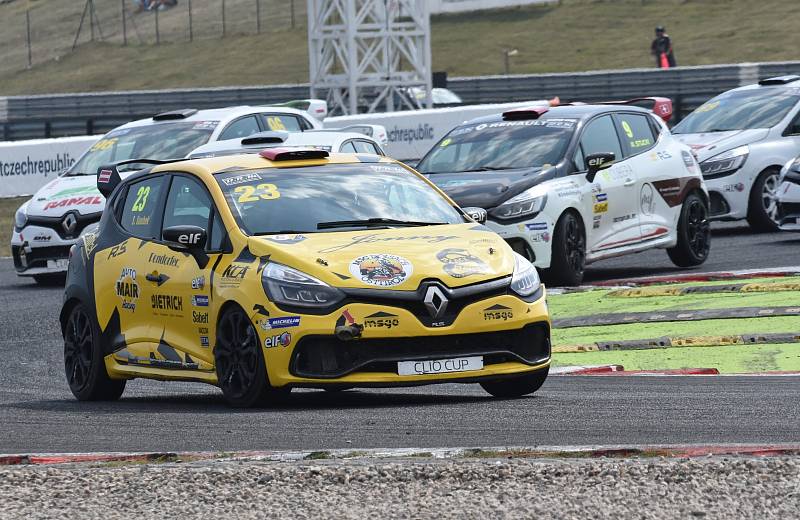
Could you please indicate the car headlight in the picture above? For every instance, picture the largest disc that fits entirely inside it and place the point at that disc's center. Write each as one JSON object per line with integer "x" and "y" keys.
{"x": 522, "y": 205}
{"x": 288, "y": 286}
{"x": 21, "y": 217}
{"x": 91, "y": 228}
{"x": 525, "y": 280}
{"x": 729, "y": 161}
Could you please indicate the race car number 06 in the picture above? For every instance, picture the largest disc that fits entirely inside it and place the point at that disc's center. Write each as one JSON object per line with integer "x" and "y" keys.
{"x": 255, "y": 193}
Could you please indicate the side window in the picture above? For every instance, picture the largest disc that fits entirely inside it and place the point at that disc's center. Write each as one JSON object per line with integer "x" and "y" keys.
{"x": 240, "y": 128}
{"x": 365, "y": 147}
{"x": 141, "y": 209}
{"x": 216, "y": 235}
{"x": 282, "y": 122}
{"x": 188, "y": 204}
{"x": 636, "y": 133}
{"x": 348, "y": 147}
{"x": 599, "y": 136}
{"x": 655, "y": 126}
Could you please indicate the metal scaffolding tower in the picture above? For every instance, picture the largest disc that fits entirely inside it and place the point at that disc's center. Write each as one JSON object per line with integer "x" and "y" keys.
{"x": 366, "y": 54}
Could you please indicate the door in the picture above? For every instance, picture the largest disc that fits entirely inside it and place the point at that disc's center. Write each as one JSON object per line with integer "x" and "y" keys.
{"x": 184, "y": 304}
{"x": 655, "y": 167}
{"x": 121, "y": 284}
{"x": 612, "y": 206}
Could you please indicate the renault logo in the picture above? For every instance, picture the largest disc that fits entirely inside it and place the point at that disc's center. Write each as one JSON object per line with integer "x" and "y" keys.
{"x": 435, "y": 301}
{"x": 70, "y": 223}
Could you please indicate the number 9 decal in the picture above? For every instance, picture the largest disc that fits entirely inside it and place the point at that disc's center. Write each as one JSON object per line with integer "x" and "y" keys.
{"x": 628, "y": 129}
{"x": 256, "y": 193}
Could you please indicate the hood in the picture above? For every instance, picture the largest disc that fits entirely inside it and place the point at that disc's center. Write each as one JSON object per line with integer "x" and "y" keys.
{"x": 65, "y": 194}
{"x": 488, "y": 189}
{"x": 709, "y": 144}
{"x": 393, "y": 259}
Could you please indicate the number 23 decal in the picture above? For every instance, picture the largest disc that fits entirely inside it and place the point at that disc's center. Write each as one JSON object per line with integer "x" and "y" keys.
{"x": 256, "y": 193}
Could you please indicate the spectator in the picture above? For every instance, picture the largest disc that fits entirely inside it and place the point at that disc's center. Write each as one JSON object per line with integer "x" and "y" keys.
{"x": 661, "y": 48}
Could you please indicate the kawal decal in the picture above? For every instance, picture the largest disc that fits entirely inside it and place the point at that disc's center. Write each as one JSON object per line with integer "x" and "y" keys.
{"x": 382, "y": 320}
{"x": 498, "y": 312}
{"x": 459, "y": 263}
{"x": 381, "y": 270}
{"x": 127, "y": 289}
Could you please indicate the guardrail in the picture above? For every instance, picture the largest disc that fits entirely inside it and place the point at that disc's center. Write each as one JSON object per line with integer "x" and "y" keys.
{"x": 29, "y": 117}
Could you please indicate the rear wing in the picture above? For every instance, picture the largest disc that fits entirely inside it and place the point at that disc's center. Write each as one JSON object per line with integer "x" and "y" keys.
{"x": 108, "y": 177}
{"x": 660, "y": 106}
{"x": 316, "y": 108}
{"x": 377, "y": 132}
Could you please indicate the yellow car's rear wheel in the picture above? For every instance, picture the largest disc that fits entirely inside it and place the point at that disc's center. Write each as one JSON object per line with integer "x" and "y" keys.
{"x": 241, "y": 370}
{"x": 517, "y": 386}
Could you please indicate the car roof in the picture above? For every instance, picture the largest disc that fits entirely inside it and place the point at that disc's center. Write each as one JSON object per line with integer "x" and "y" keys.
{"x": 579, "y": 112}
{"x": 249, "y": 161}
{"x": 218, "y": 114}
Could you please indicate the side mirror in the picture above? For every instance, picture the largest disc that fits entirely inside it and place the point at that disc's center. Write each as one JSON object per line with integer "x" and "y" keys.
{"x": 596, "y": 162}
{"x": 479, "y": 215}
{"x": 187, "y": 239}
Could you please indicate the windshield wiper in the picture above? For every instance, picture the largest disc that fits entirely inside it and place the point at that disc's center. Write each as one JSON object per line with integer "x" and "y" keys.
{"x": 282, "y": 232}
{"x": 375, "y": 222}
{"x": 489, "y": 169}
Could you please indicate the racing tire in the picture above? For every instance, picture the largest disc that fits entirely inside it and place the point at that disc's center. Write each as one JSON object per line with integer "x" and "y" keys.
{"x": 568, "y": 258}
{"x": 517, "y": 386}
{"x": 84, "y": 362}
{"x": 240, "y": 365}
{"x": 762, "y": 206}
{"x": 694, "y": 234}
{"x": 51, "y": 280}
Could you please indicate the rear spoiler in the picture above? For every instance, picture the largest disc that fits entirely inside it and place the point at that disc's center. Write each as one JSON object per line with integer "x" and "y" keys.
{"x": 316, "y": 108}
{"x": 377, "y": 132}
{"x": 108, "y": 176}
{"x": 660, "y": 106}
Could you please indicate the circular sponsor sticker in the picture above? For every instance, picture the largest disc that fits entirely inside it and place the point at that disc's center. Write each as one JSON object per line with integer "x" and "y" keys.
{"x": 381, "y": 270}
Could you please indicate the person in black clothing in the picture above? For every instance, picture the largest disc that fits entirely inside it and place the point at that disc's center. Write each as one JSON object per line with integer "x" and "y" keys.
{"x": 662, "y": 48}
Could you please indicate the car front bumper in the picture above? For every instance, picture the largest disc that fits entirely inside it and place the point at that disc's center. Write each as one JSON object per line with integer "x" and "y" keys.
{"x": 39, "y": 250}
{"x": 789, "y": 206}
{"x": 729, "y": 196}
{"x": 531, "y": 238}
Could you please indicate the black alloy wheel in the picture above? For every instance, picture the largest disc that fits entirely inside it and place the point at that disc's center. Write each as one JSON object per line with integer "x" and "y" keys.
{"x": 241, "y": 370}
{"x": 83, "y": 360}
{"x": 694, "y": 234}
{"x": 568, "y": 258}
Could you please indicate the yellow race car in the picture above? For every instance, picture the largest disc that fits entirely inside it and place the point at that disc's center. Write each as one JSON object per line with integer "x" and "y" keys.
{"x": 263, "y": 272}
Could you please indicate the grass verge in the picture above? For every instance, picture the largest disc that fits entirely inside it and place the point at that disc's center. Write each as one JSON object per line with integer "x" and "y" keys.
{"x": 7, "y": 209}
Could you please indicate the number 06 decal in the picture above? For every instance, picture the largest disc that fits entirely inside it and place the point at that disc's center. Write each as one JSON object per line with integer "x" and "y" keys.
{"x": 256, "y": 193}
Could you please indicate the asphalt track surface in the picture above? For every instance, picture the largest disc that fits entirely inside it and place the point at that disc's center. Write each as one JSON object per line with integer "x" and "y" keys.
{"x": 38, "y": 413}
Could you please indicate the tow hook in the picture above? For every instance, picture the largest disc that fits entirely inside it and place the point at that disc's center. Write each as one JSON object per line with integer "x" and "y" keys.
{"x": 348, "y": 332}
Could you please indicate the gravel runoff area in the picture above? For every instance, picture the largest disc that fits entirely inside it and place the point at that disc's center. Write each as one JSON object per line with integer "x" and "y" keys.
{"x": 641, "y": 488}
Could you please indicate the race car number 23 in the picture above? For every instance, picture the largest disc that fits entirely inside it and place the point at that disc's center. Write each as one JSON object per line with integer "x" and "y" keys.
{"x": 141, "y": 199}
{"x": 256, "y": 193}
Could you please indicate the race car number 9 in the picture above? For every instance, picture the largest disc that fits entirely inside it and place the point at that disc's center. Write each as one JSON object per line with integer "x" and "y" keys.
{"x": 256, "y": 193}
{"x": 141, "y": 199}
{"x": 275, "y": 123}
{"x": 104, "y": 144}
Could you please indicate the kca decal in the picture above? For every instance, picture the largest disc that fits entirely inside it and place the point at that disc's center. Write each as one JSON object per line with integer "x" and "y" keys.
{"x": 127, "y": 288}
{"x": 381, "y": 270}
{"x": 459, "y": 263}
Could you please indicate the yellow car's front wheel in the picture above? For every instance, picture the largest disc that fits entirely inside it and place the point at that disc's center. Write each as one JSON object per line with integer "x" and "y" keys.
{"x": 241, "y": 371}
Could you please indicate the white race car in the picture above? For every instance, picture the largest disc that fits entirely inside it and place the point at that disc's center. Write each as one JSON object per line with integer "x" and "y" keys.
{"x": 570, "y": 185}
{"x": 46, "y": 226}
{"x": 788, "y": 196}
{"x": 742, "y": 137}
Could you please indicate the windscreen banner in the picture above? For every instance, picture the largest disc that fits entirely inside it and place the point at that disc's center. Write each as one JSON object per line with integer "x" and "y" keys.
{"x": 26, "y": 166}
{"x": 412, "y": 133}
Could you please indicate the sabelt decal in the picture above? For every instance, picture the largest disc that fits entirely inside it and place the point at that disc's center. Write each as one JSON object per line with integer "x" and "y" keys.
{"x": 381, "y": 270}
{"x": 371, "y": 239}
{"x": 459, "y": 263}
{"x": 381, "y": 320}
{"x": 674, "y": 191}
{"x": 199, "y": 317}
{"x": 127, "y": 288}
{"x": 278, "y": 340}
{"x": 241, "y": 179}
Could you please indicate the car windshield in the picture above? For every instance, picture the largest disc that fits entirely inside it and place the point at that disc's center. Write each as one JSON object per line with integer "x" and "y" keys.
{"x": 500, "y": 145}
{"x": 333, "y": 197}
{"x": 758, "y": 108}
{"x": 160, "y": 141}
